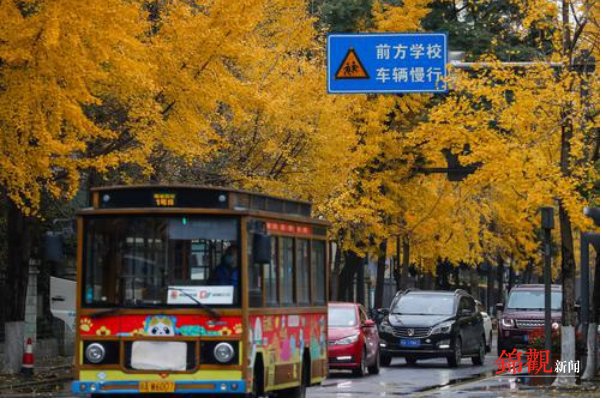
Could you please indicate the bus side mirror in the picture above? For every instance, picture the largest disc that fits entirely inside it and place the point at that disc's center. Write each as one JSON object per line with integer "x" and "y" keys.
{"x": 262, "y": 248}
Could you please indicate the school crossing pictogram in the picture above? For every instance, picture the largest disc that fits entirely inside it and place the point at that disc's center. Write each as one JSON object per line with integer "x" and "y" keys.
{"x": 351, "y": 67}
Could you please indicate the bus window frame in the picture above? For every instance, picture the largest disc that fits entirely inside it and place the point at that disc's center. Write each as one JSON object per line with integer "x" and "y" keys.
{"x": 293, "y": 300}
{"x": 87, "y": 218}
{"x": 314, "y": 301}
{"x": 298, "y": 241}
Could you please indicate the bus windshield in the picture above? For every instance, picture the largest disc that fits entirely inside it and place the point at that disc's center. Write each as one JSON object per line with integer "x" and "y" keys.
{"x": 137, "y": 261}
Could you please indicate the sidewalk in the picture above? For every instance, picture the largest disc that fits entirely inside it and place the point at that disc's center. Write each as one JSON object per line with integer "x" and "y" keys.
{"x": 51, "y": 376}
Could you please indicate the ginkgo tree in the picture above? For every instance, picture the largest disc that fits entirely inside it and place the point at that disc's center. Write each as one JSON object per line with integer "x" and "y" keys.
{"x": 152, "y": 90}
{"x": 233, "y": 93}
{"x": 535, "y": 131}
{"x": 58, "y": 60}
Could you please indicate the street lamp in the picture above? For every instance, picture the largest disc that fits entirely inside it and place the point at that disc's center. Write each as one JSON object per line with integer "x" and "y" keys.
{"x": 547, "y": 224}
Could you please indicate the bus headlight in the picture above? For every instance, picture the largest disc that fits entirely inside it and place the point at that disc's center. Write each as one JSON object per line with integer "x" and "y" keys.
{"x": 223, "y": 352}
{"x": 95, "y": 353}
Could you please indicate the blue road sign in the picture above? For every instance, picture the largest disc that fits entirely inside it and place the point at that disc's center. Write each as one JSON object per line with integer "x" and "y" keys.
{"x": 387, "y": 63}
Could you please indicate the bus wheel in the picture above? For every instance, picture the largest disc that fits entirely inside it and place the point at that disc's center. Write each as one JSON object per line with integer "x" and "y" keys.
{"x": 258, "y": 376}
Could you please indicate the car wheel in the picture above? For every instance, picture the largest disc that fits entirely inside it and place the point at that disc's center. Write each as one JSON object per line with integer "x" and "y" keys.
{"x": 362, "y": 370}
{"x": 411, "y": 361}
{"x": 454, "y": 360}
{"x": 375, "y": 369}
{"x": 385, "y": 360}
{"x": 488, "y": 346}
{"x": 480, "y": 358}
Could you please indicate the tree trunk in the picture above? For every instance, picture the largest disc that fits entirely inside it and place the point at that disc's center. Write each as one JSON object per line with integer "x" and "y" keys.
{"x": 593, "y": 356}
{"x": 19, "y": 244}
{"x": 456, "y": 275}
{"x": 359, "y": 282}
{"x": 380, "y": 275}
{"x": 347, "y": 274}
{"x": 475, "y": 279}
{"x": 429, "y": 281}
{"x": 566, "y": 234}
{"x": 500, "y": 279}
{"x": 490, "y": 293}
{"x": 511, "y": 276}
{"x": 405, "y": 264}
{"x": 567, "y": 269}
{"x": 595, "y": 314}
{"x": 13, "y": 346}
{"x": 397, "y": 273}
{"x": 593, "y": 344}
{"x": 335, "y": 273}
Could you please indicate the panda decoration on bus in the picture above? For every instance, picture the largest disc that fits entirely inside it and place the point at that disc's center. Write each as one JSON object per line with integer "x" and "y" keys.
{"x": 160, "y": 325}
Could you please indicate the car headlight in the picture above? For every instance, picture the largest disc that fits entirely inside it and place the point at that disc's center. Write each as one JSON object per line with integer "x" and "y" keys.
{"x": 95, "y": 353}
{"x": 507, "y": 323}
{"x": 386, "y": 327}
{"x": 223, "y": 352}
{"x": 348, "y": 339}
{"x": 442, "y": 328}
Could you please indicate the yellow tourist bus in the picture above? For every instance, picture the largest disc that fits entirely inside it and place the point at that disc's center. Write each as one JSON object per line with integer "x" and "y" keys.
{"x": 189, "y": 289}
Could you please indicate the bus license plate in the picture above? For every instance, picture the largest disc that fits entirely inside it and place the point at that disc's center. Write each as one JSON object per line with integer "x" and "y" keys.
{"x": 410, "y": 342}
{"x": 157, "y": 387}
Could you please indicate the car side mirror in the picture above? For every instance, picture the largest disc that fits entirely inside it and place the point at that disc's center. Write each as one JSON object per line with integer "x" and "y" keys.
{"x": 369, "y": 323}
{"x": 262, "y": 248}
{"x": 499, "y": 307}
{"x": 383, "y": 311}
{"x": 465, "y": 312}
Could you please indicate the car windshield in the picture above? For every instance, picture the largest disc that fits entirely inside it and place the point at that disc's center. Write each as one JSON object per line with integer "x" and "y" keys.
{"x": 342, "y": 316}
{"x": 533, "y": 300}
{"x": 139, "y": 261}
{"x": 421, "y": 304}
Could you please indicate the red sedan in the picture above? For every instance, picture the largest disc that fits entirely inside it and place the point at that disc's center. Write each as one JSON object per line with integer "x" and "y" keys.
{"x": 352, "y": 339}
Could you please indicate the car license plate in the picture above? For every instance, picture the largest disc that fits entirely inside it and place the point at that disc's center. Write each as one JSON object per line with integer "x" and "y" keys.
{"x": 410, "y": 343}
{"x": 157, "y": 387}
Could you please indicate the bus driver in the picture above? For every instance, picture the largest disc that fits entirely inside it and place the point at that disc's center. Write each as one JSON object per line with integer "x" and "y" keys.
{"x": 226, "y": 272}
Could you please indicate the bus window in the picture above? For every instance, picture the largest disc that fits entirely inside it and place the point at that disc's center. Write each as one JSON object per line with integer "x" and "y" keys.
{"x": 270, "y": 276}
{"x": 285, "y": 266}
{"x": 135, "y": 260}
{"x": 318, "y": 262}
{"x": 302, "y": 270}
{"x": 255, "y": 282}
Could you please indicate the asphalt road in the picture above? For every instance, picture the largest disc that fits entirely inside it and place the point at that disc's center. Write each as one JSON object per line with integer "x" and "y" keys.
{"x": 426, "y": 378}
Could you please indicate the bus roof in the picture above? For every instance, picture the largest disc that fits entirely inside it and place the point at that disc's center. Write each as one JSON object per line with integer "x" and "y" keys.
{"x": 194, "y": 196}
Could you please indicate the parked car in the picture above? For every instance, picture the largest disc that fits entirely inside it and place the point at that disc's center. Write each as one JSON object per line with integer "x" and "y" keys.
{"x": 487, "y": 326}
{"x": 352, "y": 339}
{"x": 523, "y": 313}
{"x": 430, "y": 324}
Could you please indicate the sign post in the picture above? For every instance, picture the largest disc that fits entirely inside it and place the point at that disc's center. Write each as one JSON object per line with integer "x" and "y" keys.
{"x": 387, "y": 63}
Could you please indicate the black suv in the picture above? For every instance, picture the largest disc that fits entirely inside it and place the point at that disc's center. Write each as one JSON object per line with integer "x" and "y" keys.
{"x": 428, "y": 324}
